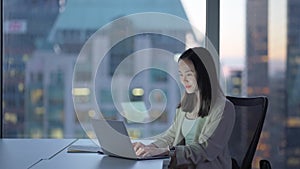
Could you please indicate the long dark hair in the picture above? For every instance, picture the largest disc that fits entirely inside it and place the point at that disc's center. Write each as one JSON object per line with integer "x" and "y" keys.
{"x": 189, "y": 100}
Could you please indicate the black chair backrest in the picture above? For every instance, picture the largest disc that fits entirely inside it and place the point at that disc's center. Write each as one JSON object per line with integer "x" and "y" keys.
{"x": 250, "y": 116}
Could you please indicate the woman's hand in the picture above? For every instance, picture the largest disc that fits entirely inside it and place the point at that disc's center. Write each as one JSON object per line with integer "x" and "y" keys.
{"x": 143, "y": 150}
{"x": 151, "y": 151}
{"x": 138, "y": 145}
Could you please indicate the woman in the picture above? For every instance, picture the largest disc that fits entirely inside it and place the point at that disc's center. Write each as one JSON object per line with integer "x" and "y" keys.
{"x": 204, "y": 119}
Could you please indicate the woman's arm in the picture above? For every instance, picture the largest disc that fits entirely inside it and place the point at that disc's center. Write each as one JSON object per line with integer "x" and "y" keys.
{"x": 212, "y": 141}
{"x": 161, "y": 144}
{"x": 166, "y": 139}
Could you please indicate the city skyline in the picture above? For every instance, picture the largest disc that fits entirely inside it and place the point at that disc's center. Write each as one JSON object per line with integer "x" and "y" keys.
{"x": 233, "y": 51}
{"x": 41, "y": 97}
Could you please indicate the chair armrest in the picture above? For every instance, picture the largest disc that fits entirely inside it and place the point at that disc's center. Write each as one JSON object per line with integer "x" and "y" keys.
{"x": 264, "y": 164}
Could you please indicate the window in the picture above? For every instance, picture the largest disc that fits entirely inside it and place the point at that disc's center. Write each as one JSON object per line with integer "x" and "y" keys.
{"x": 43, "y": 75}
{"x": 43, "y": 39}
{"x": 262, "y": 43}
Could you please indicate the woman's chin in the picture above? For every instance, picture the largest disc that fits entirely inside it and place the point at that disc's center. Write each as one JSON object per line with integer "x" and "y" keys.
{"x": 189, "y": 91}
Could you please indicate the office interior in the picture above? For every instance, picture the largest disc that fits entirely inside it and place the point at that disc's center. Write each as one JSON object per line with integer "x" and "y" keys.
{"x": 65, "y": 62}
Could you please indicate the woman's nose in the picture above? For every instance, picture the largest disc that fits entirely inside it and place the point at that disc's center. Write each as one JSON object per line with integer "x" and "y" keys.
{"x": 185, "y": 79}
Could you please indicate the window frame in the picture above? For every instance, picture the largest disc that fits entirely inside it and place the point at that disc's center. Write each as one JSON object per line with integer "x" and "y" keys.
{"x": 2, "y": 47}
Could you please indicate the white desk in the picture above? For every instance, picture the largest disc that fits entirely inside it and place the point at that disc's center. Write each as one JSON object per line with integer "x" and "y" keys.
{"x": 94, "y": 161}
{"x": 24, "y": 153}
{"x": 52, "y": 154}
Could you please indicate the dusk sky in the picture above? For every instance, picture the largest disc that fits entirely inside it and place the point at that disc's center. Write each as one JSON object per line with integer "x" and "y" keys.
{"x": 232, "y": 29}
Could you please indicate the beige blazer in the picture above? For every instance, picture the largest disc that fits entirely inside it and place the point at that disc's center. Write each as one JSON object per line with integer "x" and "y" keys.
{"x": 210, "y": 149}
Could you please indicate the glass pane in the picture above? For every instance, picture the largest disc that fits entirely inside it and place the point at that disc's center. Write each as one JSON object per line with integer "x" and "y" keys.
{"x": 52, "y": 76}
{"x": 260, "y": 51}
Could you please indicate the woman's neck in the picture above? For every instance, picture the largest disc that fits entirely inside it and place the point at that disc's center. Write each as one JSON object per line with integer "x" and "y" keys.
{"x": 194, "y": 114}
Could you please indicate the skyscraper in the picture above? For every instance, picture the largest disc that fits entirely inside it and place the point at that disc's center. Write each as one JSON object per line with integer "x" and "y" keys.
{"x": 257, "y": 47}
{"x": 257, "y": 64}
{"x": 234, "y": 82}
{"x": 25, "y": 28}
{"x": 275, "y": 116}
{"x": 292, "y": 85}
{"x": 73, "y": 30}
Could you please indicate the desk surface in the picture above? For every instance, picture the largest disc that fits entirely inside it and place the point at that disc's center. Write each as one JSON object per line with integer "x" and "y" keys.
{"x": 24, "y": 153}
{"x": 52, "y": 153}
{"x": 94, "y": 161}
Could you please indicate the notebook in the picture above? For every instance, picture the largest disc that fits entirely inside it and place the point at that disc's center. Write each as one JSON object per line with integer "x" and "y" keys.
{"x": 114, "y": 140}
{"x": 84, "y": 149}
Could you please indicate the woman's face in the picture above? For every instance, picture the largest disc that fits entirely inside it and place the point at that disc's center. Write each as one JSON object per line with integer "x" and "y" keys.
{"x": 187, "y": 75}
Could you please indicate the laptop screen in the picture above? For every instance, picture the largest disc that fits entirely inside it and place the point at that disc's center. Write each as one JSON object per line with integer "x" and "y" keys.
{"x": 135, "y": 112}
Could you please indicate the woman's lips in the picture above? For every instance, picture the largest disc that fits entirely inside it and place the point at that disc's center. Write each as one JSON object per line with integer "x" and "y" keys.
{"x": 187, "y": 87}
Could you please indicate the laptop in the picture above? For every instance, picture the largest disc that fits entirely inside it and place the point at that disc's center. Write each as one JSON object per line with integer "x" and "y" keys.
{"x": 114, "y": 140}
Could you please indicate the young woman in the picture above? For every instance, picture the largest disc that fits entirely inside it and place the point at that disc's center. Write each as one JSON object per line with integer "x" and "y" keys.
{"x": 204, "y": 119}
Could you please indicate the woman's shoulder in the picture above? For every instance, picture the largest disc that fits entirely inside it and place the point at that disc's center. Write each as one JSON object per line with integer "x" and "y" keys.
{"x": 221, "y": 107}
{"x": 229, "y": 109}
{"x": 229, "y": 104}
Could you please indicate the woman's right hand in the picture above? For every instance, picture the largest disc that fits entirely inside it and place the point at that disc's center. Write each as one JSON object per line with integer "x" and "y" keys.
{"x": 138, "y": 145}
{"x": 143, "y": 150}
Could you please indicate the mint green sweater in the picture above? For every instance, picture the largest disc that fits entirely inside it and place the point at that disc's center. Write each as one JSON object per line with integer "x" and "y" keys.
{"x": 210, "y": 150}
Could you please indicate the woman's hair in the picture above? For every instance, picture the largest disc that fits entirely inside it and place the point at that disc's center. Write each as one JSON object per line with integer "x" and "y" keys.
{"x": 189, "y": 100}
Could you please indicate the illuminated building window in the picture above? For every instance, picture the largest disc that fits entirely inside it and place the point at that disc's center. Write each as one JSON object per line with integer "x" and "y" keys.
{"x": 21, "y": 87}
{"x": 250, "y": 90}
{"x": 56, "y": 133}
{"x": 39, "y": 111}
{"x": 293, "y": 122}
{"x": 10, "y": 117}
{"x": 293, "y": 161}
{"x": 36, "y": 133}
{"x": 36, "y": 95}
{"x": 236, "y": 81}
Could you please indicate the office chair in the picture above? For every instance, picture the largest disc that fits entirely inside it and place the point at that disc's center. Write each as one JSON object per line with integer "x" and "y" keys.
{"x": 250, "y": 116}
